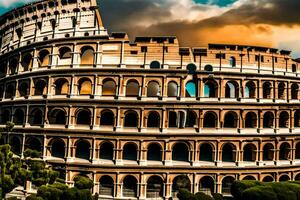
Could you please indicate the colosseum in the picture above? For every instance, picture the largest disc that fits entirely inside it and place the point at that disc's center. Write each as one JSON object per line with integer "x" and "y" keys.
{"x": 142, "y": 117}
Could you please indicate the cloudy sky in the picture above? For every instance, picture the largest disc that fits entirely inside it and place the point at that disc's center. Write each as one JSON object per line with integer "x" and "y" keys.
{"x": 272, "y": 23}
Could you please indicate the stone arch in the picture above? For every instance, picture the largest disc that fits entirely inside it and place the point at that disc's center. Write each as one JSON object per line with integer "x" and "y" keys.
{"x": 83, "y": 149}
{"x": 249, "y": 178}
{"x": 297, "y": 152}
{"x": 231, "y": 89}
{"x": 268, "y": 178}
{"x": 65, "y": 53}
{"x": 5, "y": 116}
{"x": 109, "y": 87}
{"x": 295, "y": 91}
{"x": 231, "y": 120}
{"x": 285, "y": 151}
{"x": 281, "y": 90}
{"x": 44, "y": 58}
{"x": 211, "y": 89}
{"x": 130, "y": 152}
{"x": 228, "y": 153}
{"x": 85, "y": 86}
{"x": 267, "y": 88}
{"x": 106, "y": 186}
{"x": 10, "y": 91}
{"x": 191, "y": 119}
{"x": 87, "y": 55}
{"x": 227, "y": 181}
{"x": 15, "y": 143}
{"x": 250, "y": 90}
{"x": 153, "y": 120}
{"x": 251, "y": 120}
{"x": 268, "y": 152}
{"x": 207, "y": 185}
{"x": 297, "y": 177}
{"x": 232, "y": 61}
{"x": 284, "y": 178}
{"x": 13, "y": 65}
{"x": 208, "y": 68}
{"x": 180, "y": 182}
{"x": 19, "y": 117}
{"x": 154, "y": 152}
{"x": 58, "y": 148}
{"x": 26, "y": 61}
{"x": 206, "y": 152}
{"x": 61, "y": 86}
{"x": 249, "y": 153}
{"x": 83, "y": 117}
{"x": 57, "y": 116}
{"x": 36, "y": 117}
{"x": 172, "y": 89}
{"x": 153, "y": 89}
{"x": 268, "y": 121}
{"x": 107, "y": 118}
{"x": 284, "y": 119}
{"x": 297, "y": 119}
{"x": 155, "y": 65}
{"x": 132, "y": 88}
{"x": 33, "y": 143}
{"x": 131, "y": 119}
{"x": 130, "y": 184}
{"x": 106, "y": 151}
{"x": 180, "y": 152}
{"x": 40, "y": 87}
{"x": 191, "y": 68}
{"x": 23, "y": 89}
{"x": 172, "y": 119}
{"x": 155, "y": 187}
{"x": 210, "y": 120}
{"x": 191, "y": 89}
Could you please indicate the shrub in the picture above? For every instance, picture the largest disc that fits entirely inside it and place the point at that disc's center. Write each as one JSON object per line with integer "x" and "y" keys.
{"x": 259, "y": 193}
{"x": 76, "y": 194}
{"x": 184, "y": 194}
{"x": 34, "y": 197}
{"x": 83, "y": 182}
{"x": 12, "y": 198}
{"x": 238, "y": 187}
{"x": 49, "y": 193}
{"x": 203, "y": 196}
{"x": 217, "y": 196}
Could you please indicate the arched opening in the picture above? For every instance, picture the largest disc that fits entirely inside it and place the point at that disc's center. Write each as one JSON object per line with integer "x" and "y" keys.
{"x": 297, "y": 119}
{"x": 249, "y": 153}
{"x": 232, "y": 61}
{"x": 268, "y": 179}
{"x": 228, "y": 153}
{"x": 230, "y": 120}
{"x": 85, "y": 86}
{"x": 36, "y": 117}
{"x": 58, "y": 148}
{"x": 294, "y": 68}
{"x": 65, "y": 53}
{"x": 107, "y": 151}
{"x": 83, "y": 117}
{"x": 153, "y": 120}
{"x": 130, "y": 152}
{"x": 191, "y": 68}
{"x": 268, "y": 121}
{"x": 284, "y": 120}
{"x": 180, "y": 152}
{"x": 295, "y": 91}
{"x": 211, "y": 89}
{"x": 268, "y": 152}
{"x": 281, "y": 90}
{"x": 5, "y": 117}
{"x": 226, "y": 185}
{"x": 87, "y": 55}
{"x": 154, "y": 152}
{"x": 284, "y": 178}
{"x": 210, "y": 120}
{"x": 106, "y": 186}
{"x": 153, "y": 89}
{"x": 155, "y": 187}
{"x": 57, "y": 116}
{"x": 285, "y": 152}
{"x": 61, "y": 87}
{"x": 267, "y": 87}
{"x": 129, "y": 186}
{"x": 191, "y": 89}
{"x": 231, "y": 90}
{"x": 251, "y": 120}
{"x": 13, "y": 64}
{"x": 44, "y": 58}
{"x": 172, "y": 89}
{"x": 34, "y": 144}
{"x": 155, "y": 65}
{"x": 172, "y": 122}
{"x": 207, "y": 185}
{"x": 26, "y": 62}
{"x": 249, "y": 178}
{"x": 132, "y": 89}
{"x": 107, "y": 118}
{"x": 40, "y": 87}
{"x": 10, "y": 91}
{"x": 297, "y": 152}
{"x": 15, "y": 144}
{"x": 206, "y": 153}
{"x": 297, "y": 177}
{"x": 19, "y": 117}
{"x": 208, "y": 68}
{"x": 131, "y": 119}
{"x": 250, "y": 90}
{"x": 109, "y": 88}
{"x": 23, "y": 89}
{"x": 191, "y": 119}
{"x": 83, "y": 150}
{"x": 180, "y": 182}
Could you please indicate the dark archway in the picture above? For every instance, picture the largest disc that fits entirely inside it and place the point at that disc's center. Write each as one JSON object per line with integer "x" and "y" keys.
{"x": 83, "y": 149}
{"x": 249, "y": 153}
{"x": 57, "y": 116}
{"x": 284, "y": 120}
{"x": 132, "y": 89}
{"x": 130, "y": 152}
{"x": 268, "y": 121}
{"x": 211, "y": 89}
{"x": 107, "y": 151}
{"x": 210, "y": 120}
{"x": 130, "y": 186}
{"x": 154, "y": 152}
{"x": 16, "y": 145}
{"x": 106, "y": 186}
{"x": 153, "y": 120}
{"x": 251, "y": 120}
{"x": 36, "y": 117}
{"x": 155, "y": 187}
{"x": 180, "y": 182}
{"x": 267, "y": 88}
{"x": 206, "y": 152}
{"x": 83, "y": 117}
{"x": 231, "y": 120}
{"x": 19, "y": 117}
{"x": 34, "y": 144}
{"x": 228, "y": 153}
{"x": 107, "y": 118}
{"x": 131, "y": 119}
{"x": 207, "y": 185}
{"x": 285, "y": 152}
{"x": 58, "y": 148}
{"x": 226, "y": 184}
{"x": 61, "y": 87}
{"x": 180, "y": 152}
{"x": 268, "y": 152}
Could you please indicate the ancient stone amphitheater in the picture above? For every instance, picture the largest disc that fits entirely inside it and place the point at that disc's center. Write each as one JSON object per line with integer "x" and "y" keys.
{"x": 144, "y": 118}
